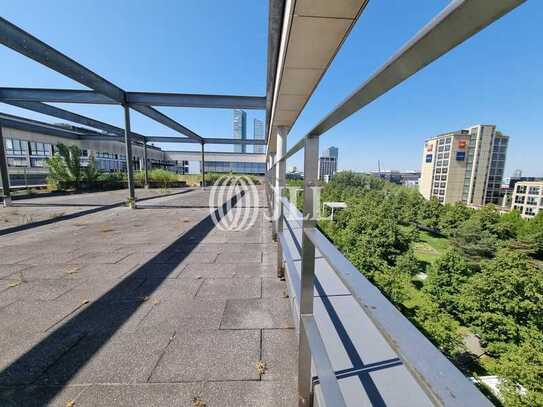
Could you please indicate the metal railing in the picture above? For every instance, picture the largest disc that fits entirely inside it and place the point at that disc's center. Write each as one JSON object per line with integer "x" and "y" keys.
{"x": 443, "y": 383}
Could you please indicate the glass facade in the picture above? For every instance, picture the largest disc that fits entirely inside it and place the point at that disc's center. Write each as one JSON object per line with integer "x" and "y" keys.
{"x": 235, "y": 167}
{"x": 258, "y": 134}
{"x": 240, "y": 130}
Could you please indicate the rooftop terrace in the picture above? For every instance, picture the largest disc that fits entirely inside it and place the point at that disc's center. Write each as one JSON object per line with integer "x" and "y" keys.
{"x": 153, "y": 307}
{"x": 101, "y": 305}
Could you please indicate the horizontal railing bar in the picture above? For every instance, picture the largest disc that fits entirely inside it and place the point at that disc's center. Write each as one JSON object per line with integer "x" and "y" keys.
{"x": 331, "y": 393}
{"x": 460, "y": 20}
{"x": 434, "y": 372}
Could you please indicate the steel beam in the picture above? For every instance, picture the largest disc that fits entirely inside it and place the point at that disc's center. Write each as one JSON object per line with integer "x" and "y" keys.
{"x": 195, "y": 100}
{"x": 166, "y": 139}
{"x": 145, "y": 174}
{"x": 24, "y": 43}
{"x": 129, "y": 162}
{"x": 134, "y": 98}
{"x": 59, "y": 113}
{"x": 54, "y": 96}
{"x": 4, "y": 171}
{"x": 166, "y": 121}
{"x": 203, "y": 168}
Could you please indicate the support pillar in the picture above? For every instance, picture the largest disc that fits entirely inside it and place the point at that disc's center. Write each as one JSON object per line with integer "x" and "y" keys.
{"x": 129, "y": 161}
{"x": 4, "y": 171}
{"x": 145, "y": 175}
{"x": 280, "y": 183}
{"x": 272, "y": 190}
{"x": 311, "y": 167}
{"x": 203, "y": 168}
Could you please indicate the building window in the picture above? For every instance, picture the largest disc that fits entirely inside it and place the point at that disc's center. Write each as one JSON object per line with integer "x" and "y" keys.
{"x": 40, "y": 149}
{"x": 448, "y": 140}
{"x": 529, "y": 211}
{"x": 16, "y": 147}
{"x": 532, "y": 200}
{"x": 521, "y": 189}
{"x": 533, "y": 190}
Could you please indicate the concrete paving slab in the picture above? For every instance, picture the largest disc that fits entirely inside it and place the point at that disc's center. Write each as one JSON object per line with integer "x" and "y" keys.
{"x": 121, "y": 358}
{"x": 231, "y": 288}
{"x": 150, "y": 394}
{"x": 37, "y": 396}
{"x": 280, "y": 353}
{"x": 210, "y": 355}
{"x": 257, "y": 314}
{"x": 249, "y": 255}
{"x": 6, "y": 270}
{"x": 22, "y": 362}
{"x": 250, "y": 394}
{"x": 184, "y": 314}
{"x": 274, "y": 288}
{"x": 227, "y": 271}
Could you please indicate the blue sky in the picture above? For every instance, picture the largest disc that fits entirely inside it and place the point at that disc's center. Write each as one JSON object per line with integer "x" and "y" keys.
{"x": 220, "y": 47}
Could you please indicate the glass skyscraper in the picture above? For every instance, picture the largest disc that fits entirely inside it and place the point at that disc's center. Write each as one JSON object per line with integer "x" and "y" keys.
{"x": 240, "y": 130}
{"x": 258, "y": 134}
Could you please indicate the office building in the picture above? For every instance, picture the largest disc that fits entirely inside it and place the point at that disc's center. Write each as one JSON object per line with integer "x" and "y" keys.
{"x": 328, "y": 163}
{"x": 464, "y": 166}
{"x": 405, "y": 178}
{"x": 240, "y": 129}
{"x": 528, "y": 198}
{"x": 258, "y": 134}
{"x": 28, "y": 143}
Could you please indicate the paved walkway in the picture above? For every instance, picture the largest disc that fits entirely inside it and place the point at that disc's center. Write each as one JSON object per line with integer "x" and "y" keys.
{"x": 152, "y": 307}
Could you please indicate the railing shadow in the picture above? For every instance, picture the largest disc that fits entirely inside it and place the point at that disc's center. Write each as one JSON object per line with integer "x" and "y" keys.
{"x": 100, "y": 313}
{"x": 96, "y": 208}
{"x": 359, "y": 368}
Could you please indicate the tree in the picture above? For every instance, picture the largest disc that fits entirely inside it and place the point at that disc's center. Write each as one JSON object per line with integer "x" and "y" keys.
{"x": 90, "y": 172}
{"x": 474, "y": 240}
{"x": 446, "y": 279}
{"x": 443, "y": 330}
{"x": 522, "y": 365}
{"x": 509, "y": 225}
{"x": 394, "y": 284}
{"x": 407, "y": 264}
{"x": 532, "y": 234}
{"x": 507, "y": 294}
{"x": 453, "y": 216}
{"x": 65, "y": 165}
{"x": 430, "y": 213}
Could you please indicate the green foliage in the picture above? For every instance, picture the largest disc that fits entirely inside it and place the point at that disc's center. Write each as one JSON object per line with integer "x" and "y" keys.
{"x": 532, "y": 234}
{"x": 523, "y": 364}
{"x": 111, "y": 177}
{"x": 440, "y": 327}
{"x": 507, "y": 294}
{"x": 65, "y": 166}
{"x": 446, "y": 279}
{"x": 453, "y": 216}
{"x": 90, "y": 172}
{"x": 430, "y": 213}
{"x": 474, "y": 240}
{"x": 407, "y": 264}
{"x": 164, "y": 177}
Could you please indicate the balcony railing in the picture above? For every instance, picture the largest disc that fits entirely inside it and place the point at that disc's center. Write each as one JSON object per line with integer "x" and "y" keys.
{"x": 437, "y": 377}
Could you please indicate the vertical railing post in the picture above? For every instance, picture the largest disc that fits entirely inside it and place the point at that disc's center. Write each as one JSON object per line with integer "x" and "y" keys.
{"x": 272, "y": 191}
{"x": 280, "y": 174}
{"x": 203, "y": 167}
{"x": 145, "y": 174}
{"x": 129, "y": 163}
{"x": 4, "y": 171}
{"x": 311, "y": 165}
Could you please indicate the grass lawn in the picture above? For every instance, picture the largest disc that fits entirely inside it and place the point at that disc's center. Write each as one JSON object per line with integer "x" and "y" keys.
{"x": 430, "y": 247}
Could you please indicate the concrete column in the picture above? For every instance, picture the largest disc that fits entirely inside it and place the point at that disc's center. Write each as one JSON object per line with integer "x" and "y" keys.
{"x": 129, "y": 163}
{"x": 280, "y": 183}
{"x": 203, "y": 168}
{"x": 4, "y": 171}
{"x": 145, "y": 175}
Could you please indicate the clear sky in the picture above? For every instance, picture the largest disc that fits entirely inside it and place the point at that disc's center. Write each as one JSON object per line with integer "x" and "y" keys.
{"x": 209, "y": 46}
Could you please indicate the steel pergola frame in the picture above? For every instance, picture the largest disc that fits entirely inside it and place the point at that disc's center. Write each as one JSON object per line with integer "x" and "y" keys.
{"x": 104, "y": 92}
